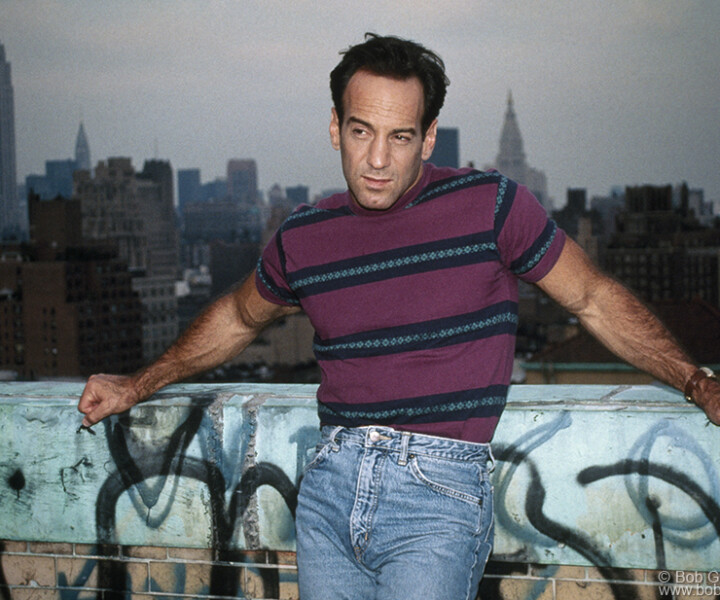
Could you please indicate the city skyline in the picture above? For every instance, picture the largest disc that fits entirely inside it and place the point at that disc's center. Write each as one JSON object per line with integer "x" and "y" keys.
{"x": 619, "y": 94}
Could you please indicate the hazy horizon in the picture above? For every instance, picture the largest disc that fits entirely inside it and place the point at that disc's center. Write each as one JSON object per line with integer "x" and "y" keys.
{"x": 616, "y": 93}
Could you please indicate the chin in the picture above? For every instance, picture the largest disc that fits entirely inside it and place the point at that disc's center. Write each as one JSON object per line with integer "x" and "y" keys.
{"x": 377, "y": 205}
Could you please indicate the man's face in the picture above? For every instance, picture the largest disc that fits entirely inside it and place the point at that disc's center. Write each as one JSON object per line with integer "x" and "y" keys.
{"x": 380, "y": 139}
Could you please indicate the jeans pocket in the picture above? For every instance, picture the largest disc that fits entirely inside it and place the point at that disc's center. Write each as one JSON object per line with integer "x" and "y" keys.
{"x": 321, "y": 452}
{"x": 459, "y": 480}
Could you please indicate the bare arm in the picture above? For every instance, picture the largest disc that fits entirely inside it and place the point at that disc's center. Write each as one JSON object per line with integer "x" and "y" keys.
{"x": 622, "y": 323}
{"x": 221, "y": 332}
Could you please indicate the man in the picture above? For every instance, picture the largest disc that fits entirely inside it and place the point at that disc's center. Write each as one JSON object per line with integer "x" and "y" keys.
{"x": 409, "y": 279}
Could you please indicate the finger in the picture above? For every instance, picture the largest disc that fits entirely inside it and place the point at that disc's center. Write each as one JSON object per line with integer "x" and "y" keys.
{"x": 88, "y": 420}
{"x": 87, "y": 402}
{"x": 95, "y": 416}
{"x": 105, "y": 407}
{"x": 88, "y": 398}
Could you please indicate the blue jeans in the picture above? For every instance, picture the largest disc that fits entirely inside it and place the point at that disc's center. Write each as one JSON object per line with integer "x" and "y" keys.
{"x": 394, "y": 516}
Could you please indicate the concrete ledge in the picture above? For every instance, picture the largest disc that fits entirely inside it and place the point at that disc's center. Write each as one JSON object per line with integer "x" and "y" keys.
{"x": 612, "y": 477}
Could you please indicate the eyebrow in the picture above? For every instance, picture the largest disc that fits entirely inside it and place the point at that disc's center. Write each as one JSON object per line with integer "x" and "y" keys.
{"x": 409, "y": 130}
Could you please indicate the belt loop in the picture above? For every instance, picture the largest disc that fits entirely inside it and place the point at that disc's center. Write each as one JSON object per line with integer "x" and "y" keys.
{"x": 333, "y": 434}
{"x": 491, "y": 459}
{"x": 405, "y": 441}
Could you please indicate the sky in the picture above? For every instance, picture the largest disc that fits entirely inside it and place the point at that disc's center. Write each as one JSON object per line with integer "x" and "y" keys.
{"x": 618, "y": 92}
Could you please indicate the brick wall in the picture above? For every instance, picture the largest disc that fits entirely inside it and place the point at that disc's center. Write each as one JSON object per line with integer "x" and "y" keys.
{"x": 39, "y": 571}
{"x": 58, "y": 570}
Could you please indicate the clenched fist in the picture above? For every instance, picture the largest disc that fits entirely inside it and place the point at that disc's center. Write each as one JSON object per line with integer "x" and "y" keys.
{"x": 106, "y": 395}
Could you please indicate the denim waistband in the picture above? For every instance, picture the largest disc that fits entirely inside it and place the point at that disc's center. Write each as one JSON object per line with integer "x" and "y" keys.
{"x": 407, "y": 443}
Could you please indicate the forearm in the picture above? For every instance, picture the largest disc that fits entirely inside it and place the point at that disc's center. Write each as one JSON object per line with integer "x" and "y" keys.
{"x": 628, "y": 328}
{"x": 216, "y": 336}
{"x": 616, "y": 317}
{"x": 222, "y": 331}
{"x": 620, "y": 321}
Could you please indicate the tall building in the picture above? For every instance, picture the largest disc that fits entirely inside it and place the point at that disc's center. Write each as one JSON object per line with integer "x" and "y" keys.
{"x": 58, "y": 177}
{"x": 82, "y": 150}
{"x": 189, "y": 189}
{"x": 608, "y": 208}
{"x": 447, "y": 148}
{"x": 67, "y": 308}
{"x": 297, "y": 195}
{"x": 57, "y": 181}
{"x": 242, "y": 180}
{"x": 12, "y": 223}
{"x": 570, "y": 216}
{"x": 511, "y": 160}
{"x": 662, "y": 251}
{"x": 135, "y": 212}
{"x": 155, "y": 188}
{"x": 217, "y": 189}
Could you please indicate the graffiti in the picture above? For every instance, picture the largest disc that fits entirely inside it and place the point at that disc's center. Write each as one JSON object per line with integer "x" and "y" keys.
{"x": 16, "y": 481}
{"x": 705, "y": 502}
{"x": 647, "y": 504}
{"x": 543, "y": 527}
{"x": 137, "y": 467}
{"x": 154, "y": 458}
{"x": 73, "y": 590}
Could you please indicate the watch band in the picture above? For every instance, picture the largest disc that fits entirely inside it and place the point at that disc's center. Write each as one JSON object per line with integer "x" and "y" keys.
{"x": 697, "y": 377}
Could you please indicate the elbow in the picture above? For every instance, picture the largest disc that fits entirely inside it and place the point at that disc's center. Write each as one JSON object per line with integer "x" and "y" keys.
{"x": 593, "y": 299}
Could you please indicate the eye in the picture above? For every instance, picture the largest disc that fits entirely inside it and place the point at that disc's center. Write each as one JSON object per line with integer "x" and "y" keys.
{"x": 402, "y": 138}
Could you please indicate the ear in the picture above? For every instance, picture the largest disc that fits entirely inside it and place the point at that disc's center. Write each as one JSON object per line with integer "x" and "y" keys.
{"x": 429, "y": 141}
{"x": 335, "y": 130}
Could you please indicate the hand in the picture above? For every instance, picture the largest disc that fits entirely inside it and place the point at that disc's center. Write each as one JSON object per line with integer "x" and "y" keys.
{"x": 709, "y": 399}
{"x": 106, "y": 395}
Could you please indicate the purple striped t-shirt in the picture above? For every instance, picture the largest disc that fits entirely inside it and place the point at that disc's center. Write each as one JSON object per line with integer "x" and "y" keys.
{"x": 414, "y": 308}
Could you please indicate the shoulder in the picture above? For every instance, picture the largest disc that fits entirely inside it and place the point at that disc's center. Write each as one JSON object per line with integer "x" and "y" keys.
{"x": 470, "y": 183}
{"x": 308, "y": 214}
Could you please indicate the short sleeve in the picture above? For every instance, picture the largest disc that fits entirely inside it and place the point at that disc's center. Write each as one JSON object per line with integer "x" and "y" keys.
{"x": 529, "y": 241}
{"x": 270, "y": 277}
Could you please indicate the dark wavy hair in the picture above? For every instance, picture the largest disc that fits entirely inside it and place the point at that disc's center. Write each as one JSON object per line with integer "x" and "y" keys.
{"x": 393, "y": 57}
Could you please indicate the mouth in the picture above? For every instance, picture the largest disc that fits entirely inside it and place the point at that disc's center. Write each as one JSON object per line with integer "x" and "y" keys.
{"x": 376, "y": 182}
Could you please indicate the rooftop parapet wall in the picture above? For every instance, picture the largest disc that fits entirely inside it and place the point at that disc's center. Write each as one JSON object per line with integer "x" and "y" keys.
{"x": 622, "y": 477}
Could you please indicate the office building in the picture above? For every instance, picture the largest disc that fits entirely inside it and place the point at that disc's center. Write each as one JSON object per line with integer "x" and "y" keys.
{"x": 447, "y": 148}
{"x": 57, "y": 180}
{"x": 135, "y": 213}
{"x": 67, "y": 308}
{"x": 297, "y": 195}
{"x": 155, "y": 190}
{"x": 189, "y": 188}
{"x": 661, "y": 250}
{"x": 12, "y": 222}
{"x": 242, "y": 180}
{"x": 58, "y": 177}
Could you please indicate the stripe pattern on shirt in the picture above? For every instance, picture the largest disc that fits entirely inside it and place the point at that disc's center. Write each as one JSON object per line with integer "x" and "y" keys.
{"x": 452, "y": 365}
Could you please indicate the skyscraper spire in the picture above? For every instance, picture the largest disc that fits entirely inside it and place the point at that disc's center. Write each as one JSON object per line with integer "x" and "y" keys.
{"x": 511, "y": 161}
{"x": 82, "y": 150}
{"x": 11, "y": 221}
{"x": 511, "y": 157}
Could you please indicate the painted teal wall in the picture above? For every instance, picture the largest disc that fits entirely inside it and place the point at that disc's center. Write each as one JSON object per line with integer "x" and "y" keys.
{"x": 589, "y": 475}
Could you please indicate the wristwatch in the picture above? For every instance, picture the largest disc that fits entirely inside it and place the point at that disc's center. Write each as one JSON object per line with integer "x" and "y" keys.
{"x": 697, "y": 377}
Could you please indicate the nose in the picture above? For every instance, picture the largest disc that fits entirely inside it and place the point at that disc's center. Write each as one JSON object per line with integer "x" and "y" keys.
{"x": 379, "y": 153}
